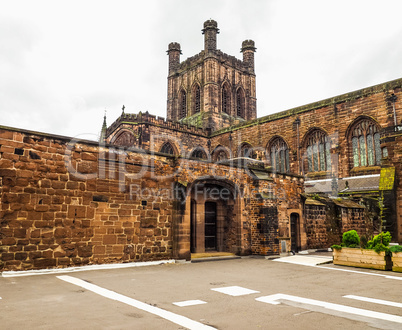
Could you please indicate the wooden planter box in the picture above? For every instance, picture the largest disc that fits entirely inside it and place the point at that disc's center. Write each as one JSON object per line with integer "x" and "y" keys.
{"x": 356, "y": 257}
{"x": 397, "y": 261}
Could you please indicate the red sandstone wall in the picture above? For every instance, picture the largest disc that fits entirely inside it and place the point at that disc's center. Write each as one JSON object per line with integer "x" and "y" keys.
{"x": 53, "y": 217}
{"x": 335, "y": 119}
{"x": 66, "y": 204}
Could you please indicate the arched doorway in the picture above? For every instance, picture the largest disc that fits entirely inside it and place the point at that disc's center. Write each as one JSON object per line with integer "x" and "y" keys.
{"x": 214, "y": 217}
{"x": 295, "y": 232}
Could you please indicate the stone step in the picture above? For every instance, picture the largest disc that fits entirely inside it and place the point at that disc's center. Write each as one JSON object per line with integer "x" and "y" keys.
{"x": 213, "y": 256}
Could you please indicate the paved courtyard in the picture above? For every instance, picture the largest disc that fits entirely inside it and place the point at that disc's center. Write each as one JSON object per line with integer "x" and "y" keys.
{"x": 247, "y": 293}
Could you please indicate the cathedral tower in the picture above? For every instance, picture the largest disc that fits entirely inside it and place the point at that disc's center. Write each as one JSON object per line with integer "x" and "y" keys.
{"x": 211, "y": 89}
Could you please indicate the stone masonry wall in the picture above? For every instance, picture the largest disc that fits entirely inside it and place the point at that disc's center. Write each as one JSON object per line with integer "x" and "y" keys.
{"x": 334, "y": 116}
{"x": 63, "y": 208}
{"x": 67, "y": 203}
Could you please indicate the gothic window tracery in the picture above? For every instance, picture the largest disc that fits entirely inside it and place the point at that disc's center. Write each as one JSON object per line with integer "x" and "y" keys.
{"x": 318, "y": 152}
{"x": 240, "y": 106}
{"x": 198, "y": 153}
{"x": 226, "y": 99}
{"x": 125, "y": 139}
{"x": 279, "y": 155}
{"x": 365, "y": 141}
{"x": 220, "y": 153}
{"x": 183, "y": 104}
{"x": 246, "y": 150}
{"x": 167, "y": 148}
{"x": 197, "y": 98}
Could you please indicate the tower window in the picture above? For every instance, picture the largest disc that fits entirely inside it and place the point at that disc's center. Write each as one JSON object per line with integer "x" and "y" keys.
{"x": 225, "y": 99}
{"x": 197, "y": 99}
{"x": 240, "y": 103}
{"x": 183, "y": 104}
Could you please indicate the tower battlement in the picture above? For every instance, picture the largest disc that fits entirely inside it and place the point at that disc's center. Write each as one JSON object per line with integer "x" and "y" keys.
{"x": 212, "y": 82}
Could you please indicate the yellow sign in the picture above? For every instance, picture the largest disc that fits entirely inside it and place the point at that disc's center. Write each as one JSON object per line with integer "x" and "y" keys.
{"x": 387, "y": 178}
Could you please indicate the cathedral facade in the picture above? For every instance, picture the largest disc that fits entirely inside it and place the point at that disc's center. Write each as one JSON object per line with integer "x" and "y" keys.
{"x": 210, "y": 177}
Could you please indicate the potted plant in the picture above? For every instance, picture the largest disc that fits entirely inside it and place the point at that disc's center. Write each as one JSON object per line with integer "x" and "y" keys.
{"x": 375, "y": 256}
{"x": 396, "y": 258}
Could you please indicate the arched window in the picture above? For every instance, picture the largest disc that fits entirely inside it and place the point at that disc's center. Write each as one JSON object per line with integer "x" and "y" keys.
{"x": 220, "y": 153}
{"x": 125, "y": 139}
{"x": 246, "y": 150}
{"x": 183, "y": 104}
{"x": 196, "y": 98}
{"x": 167, "y": 148}
{"x": 198, "y": 153}
{"x": 240, "y": 103}
{"x": 366, "y": 144}
{"x": 226, "y": 99}
{"x": 279, "y": 155}
{"x": 318, "y": 152}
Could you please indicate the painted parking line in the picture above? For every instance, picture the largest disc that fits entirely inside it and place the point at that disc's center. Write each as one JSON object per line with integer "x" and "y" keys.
{"x": 364, "y": 273}
{"x": 175, "y": 318}
{"x": 375, "y": 301}
{"x": 326, "y": 307}
{"x": 235, "y": 290}
{"x": 189, "y": 303}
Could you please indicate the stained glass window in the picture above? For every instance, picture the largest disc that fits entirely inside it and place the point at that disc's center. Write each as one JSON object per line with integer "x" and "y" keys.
{"x": 279, "y": 155}
{"x": 355, "y": 145}
{"x": 318, "y": 152}
{"x": 309, "y": 158}
{"x": 377, "y": 148}
{"x": 366, "y": 144}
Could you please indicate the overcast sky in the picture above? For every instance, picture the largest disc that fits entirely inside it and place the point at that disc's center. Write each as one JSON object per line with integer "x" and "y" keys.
{"x": 62, "y": 63}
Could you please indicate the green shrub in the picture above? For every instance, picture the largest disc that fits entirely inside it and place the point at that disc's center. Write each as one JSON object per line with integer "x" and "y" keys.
{"x": 350, "y": 239}
{"x": 381, "y": 247}
{"x": 336, "y": 247}
{"x": 381, "y": 238}
{"x": 396, "y": 248}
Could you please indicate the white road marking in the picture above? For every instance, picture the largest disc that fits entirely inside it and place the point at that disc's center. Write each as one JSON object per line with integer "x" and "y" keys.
{"x": 375, "y": 301}
{"x": 189, "y": 303}
{"x": 235, "y": 290}
{"x": 354, "y": 271}
{"x": 175, "y": 318}
{"x": 305, "y": 260}
{"x": 276, "y": 299}
{"x": 364, "y": 273}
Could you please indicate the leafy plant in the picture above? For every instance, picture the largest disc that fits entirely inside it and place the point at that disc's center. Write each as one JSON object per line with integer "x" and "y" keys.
{"x": 396, "y": 248}
{"x": 350, "y": 239}
{"x": 336, "y": 247}
{"x": 382, "y": 238}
